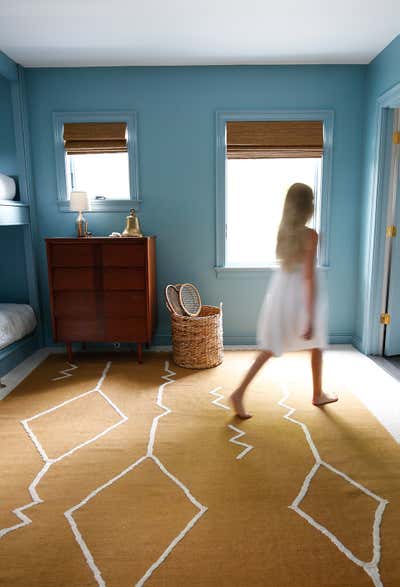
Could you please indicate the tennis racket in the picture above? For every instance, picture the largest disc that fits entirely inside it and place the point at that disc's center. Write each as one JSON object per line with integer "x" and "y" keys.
{"x": 172, "y": 300}
{"x": 190, "y": 300}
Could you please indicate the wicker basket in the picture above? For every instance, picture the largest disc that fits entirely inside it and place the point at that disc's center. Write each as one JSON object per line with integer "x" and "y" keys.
{"x": 197, "y": 342}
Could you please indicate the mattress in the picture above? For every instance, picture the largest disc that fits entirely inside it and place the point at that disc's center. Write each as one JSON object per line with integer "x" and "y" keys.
{"x": 16, "y": 321}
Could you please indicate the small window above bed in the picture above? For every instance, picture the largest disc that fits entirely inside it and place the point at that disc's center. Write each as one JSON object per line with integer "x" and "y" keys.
{"x": 97, "y": 153}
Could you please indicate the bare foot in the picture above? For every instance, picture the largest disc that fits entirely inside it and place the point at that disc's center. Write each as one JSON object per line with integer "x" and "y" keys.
{"x": 325, "y": 398}
{"x": 237, "y": 403}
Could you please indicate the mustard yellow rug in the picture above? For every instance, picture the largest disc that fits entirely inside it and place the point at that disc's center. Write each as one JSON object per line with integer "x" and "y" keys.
{"x": 119, "y": 474}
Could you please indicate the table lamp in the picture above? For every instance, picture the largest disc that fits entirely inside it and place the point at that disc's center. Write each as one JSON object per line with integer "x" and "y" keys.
{"x": 79, "y": 202}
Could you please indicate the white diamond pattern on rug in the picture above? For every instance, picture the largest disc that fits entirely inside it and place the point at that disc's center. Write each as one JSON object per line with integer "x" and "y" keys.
{"x": 370, "y": 567}
{"x": 69, "y": 514}
{"x": 48, "y": 462}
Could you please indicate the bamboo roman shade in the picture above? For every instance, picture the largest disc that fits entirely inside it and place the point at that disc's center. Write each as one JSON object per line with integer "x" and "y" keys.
{"x": 274, "y": 139}
{"x": 95, "y": 137}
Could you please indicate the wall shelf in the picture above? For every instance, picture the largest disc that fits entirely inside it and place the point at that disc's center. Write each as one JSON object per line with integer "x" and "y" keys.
{"x": 13, "y": 213}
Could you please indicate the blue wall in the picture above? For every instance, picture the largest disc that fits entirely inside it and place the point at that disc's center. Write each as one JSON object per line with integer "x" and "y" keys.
{"x": 382, "y": 74}
{"x": 13, "y": 280}
{"x": 8, "y": 153}
{"x": 176, "y": 125}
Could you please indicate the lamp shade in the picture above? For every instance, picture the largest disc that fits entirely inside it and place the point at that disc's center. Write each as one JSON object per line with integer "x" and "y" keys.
{"x": 79, "y": 201}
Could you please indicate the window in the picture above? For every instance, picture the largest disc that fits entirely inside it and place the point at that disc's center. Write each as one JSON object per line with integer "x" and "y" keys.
{"x": 97, "y": 159}
{"x": 255, "y": 194}
{"x": 257, "y": 160}
{"x": 105, "y": 176}
{"x": 97, "y": 153}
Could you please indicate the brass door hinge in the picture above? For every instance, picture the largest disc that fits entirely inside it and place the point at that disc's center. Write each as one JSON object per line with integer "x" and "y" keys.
{"x": 385, "y": 319}
{"x": 391, "y": 231}
{"x": 396, "y": 138}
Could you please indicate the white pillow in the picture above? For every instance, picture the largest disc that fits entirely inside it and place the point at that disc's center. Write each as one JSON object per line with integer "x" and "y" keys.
{"x": 7, "y": 187}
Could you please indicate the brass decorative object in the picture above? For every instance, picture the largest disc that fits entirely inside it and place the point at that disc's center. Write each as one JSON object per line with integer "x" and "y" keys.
{"x": 132, "y": 228}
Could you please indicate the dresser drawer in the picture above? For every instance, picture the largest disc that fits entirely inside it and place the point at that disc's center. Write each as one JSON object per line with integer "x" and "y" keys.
{"x": 76, "y": 255}
{"x": 68, "y": 278}
{"x": 125, "y": 304}
{"x": 123, "y": 278}
{"x": 77, "y": 304}
{"x": 121, "y": 255}
{"x": 119, "y": 329}
{"x": 79, "y": 329}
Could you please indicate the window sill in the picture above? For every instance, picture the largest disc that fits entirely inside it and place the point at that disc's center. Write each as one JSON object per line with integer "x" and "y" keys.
{"x": 252, "y": 272}
{"x": 104, "y": 205}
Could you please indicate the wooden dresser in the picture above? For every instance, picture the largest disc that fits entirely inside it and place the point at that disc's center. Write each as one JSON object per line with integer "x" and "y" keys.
{"x": 102, "y": 290}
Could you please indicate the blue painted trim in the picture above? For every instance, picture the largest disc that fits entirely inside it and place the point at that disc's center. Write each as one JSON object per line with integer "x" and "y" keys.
{"x": 128, "y": 116}
{"x": 13, "y": 354}
{"x": 377, "y": 220}
{"x": 340, "y": 338}
{"x": 222, "y": 117}
{"x": 13, "y": 213}
{"x": 8, "y": 68}
{"x": 25, "y": 176}
{"x": 357, "y": 342}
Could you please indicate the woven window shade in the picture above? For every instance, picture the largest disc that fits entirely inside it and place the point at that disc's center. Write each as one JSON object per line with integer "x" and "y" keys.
{"x": 274, "y": 139}
{"x": 95, "y": 137}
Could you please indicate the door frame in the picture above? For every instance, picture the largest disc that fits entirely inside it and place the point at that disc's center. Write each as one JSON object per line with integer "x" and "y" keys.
{"x": 377, "y": 219}
{"x": 391, "y": 219}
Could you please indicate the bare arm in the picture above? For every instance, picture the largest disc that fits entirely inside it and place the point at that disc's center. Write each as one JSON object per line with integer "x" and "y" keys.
{"x": 309, "y": 276}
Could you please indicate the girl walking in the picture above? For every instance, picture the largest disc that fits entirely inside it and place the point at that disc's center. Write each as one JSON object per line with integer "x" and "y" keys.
{"x": 293, "y": 315}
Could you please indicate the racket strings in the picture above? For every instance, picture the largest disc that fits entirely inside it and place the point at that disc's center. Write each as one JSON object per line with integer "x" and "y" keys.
{"x": 183, "y": 299}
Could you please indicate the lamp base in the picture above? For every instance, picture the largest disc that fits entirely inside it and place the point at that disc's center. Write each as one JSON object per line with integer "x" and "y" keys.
{"x": 81, "y": 226}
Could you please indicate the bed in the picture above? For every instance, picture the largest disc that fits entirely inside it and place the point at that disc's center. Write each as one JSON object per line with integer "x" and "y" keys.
{"x": 16, "y": 322}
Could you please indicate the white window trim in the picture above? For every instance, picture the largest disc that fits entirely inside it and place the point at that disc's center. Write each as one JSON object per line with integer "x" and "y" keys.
{"x": 114, "y": 205}
{"x": 222, "y": 117}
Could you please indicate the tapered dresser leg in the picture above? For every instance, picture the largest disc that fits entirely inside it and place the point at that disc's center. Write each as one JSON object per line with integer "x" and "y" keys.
{"x": 69, "y": 352}
{"x": 139, "y": 352}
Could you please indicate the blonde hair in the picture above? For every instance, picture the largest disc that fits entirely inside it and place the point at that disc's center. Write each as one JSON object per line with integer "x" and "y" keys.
{"x": 297, "y": 210}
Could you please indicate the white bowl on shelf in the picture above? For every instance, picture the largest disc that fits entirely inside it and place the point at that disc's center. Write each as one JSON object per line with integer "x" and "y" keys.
{"x": 7, "y": 187}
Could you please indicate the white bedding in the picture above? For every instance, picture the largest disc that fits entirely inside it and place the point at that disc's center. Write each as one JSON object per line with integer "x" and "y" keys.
{"x": 16, "y": 321}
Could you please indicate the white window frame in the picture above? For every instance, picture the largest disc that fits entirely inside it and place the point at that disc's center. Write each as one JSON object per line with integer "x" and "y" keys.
{"x": 322, "y": 205}
{"x": 112, "y": 205}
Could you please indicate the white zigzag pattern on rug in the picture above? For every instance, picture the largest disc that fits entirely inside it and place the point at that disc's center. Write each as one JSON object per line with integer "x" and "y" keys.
{"x": 240, "y": 433}
{"x": 150, "y": 455}
{"x": 218, "y": 397}
{"x": 370, "y": 567}
{"x": 66, "y": 372}
{"x": 48, "y": 462}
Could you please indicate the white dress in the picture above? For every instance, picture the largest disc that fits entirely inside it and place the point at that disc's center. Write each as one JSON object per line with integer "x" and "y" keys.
{"x": 283, "y": 317}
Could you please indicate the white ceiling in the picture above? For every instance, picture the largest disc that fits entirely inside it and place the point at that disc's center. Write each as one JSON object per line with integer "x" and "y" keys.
{"x": 203, "y": 32}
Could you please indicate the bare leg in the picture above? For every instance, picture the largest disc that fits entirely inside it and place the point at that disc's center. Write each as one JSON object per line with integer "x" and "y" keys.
{"x": 320, "y": 398}
{"x": 237, "y": 396}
